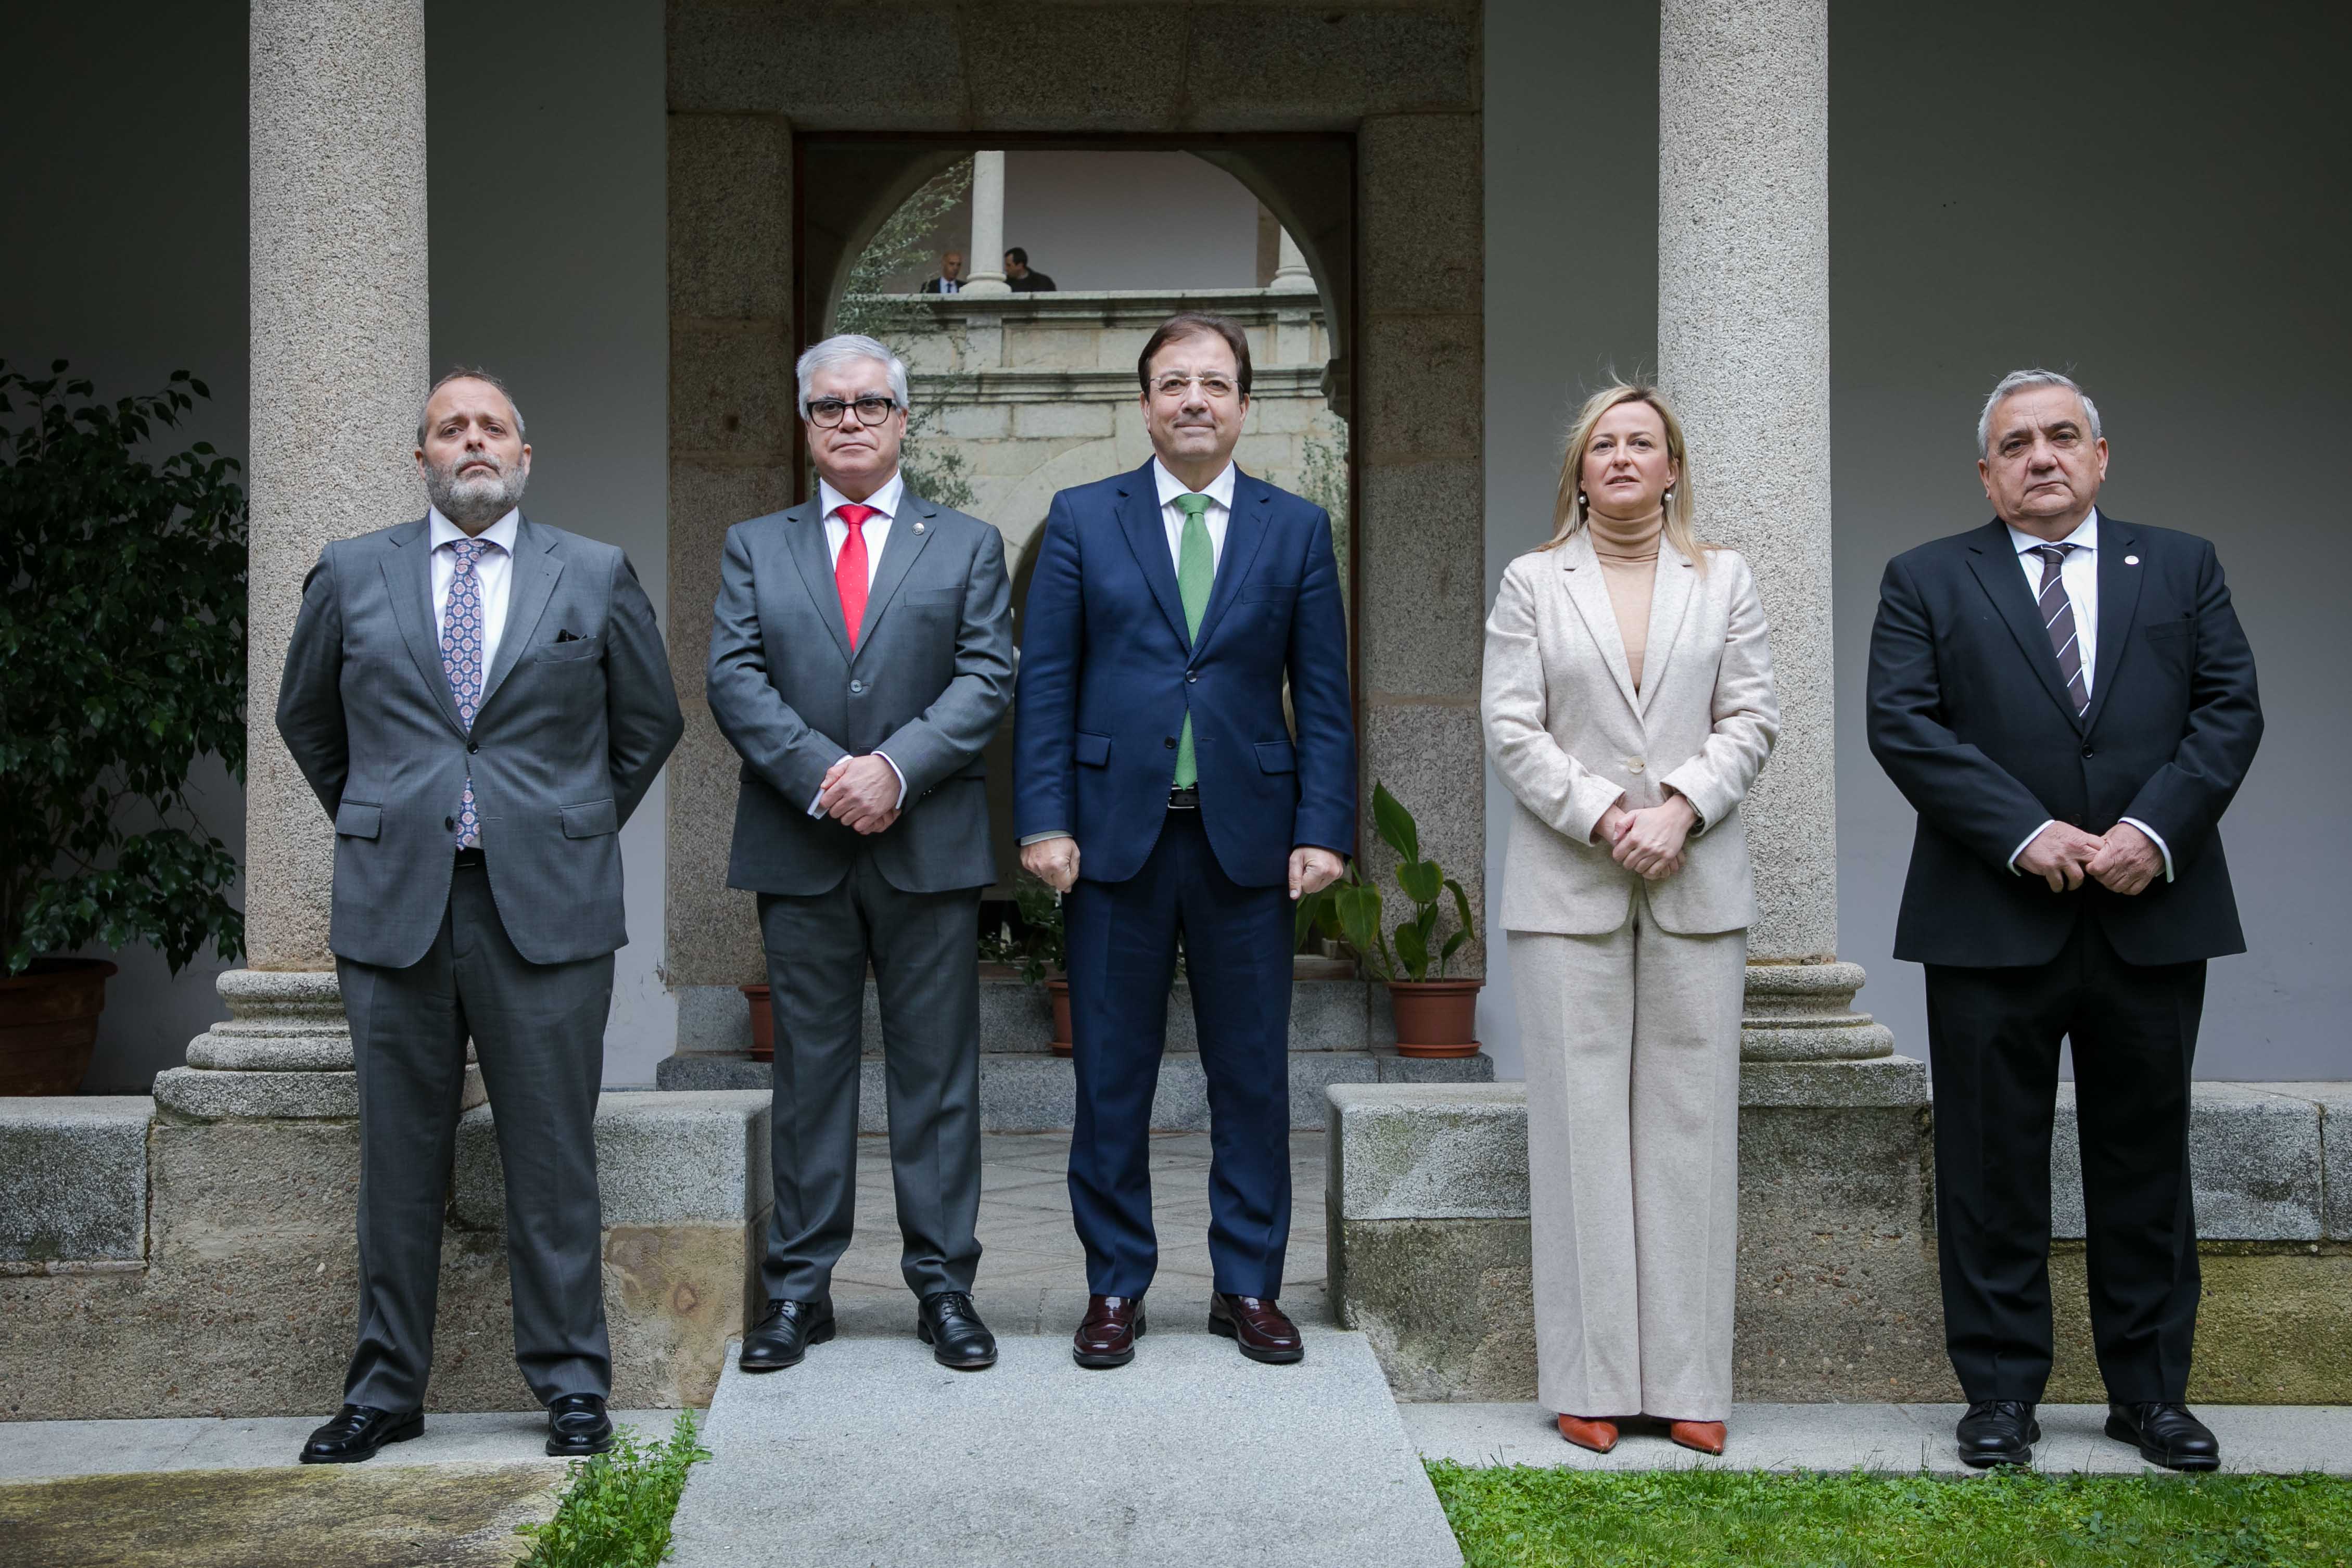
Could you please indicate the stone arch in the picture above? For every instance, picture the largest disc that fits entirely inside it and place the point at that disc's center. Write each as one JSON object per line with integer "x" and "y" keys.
{"x": 1397, "y": 80}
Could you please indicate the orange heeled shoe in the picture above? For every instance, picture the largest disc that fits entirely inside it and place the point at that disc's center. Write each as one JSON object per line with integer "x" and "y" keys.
{"x": 1598, "y": 1436}
{"x": 1707, "y": 1437}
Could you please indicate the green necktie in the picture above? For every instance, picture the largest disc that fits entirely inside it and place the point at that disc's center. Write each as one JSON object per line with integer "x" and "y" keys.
{"x": 1196, "y": 569}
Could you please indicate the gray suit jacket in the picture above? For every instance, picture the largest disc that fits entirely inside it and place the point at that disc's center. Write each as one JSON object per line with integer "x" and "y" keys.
{"x": 566, "y": 742}
{"x": 931, "y": 677}
{"x": 1571, "y": 737}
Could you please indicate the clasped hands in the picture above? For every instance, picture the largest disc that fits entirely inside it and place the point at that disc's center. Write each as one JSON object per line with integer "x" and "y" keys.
{"x": 1055, "y": 862}
{"x": 2123, "y": 860}
{"x": 1648, "y": 842}
{"x": 861, "y": 792}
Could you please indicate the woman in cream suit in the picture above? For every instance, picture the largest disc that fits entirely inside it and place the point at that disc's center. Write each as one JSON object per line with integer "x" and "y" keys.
{"x": 1628, "y": 705}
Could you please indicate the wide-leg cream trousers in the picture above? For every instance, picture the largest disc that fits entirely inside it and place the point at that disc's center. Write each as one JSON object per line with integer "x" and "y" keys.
{"x": 1631, "y": 1043}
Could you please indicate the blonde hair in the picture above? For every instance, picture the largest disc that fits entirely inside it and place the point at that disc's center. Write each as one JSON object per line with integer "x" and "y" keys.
{"x": 1568, "y": 514}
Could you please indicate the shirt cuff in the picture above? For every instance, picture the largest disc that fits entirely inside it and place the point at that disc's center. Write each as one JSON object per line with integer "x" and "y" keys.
{"x": 1041, "y": 838}
{"x": 2024, "y": 841}
{"x": 2158, "y": 839}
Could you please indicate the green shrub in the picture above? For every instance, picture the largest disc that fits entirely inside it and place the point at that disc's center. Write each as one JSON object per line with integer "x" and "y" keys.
{"x": 616, "y": 1511}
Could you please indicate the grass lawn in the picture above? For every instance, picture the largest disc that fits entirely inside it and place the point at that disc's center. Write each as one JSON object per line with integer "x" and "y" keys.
{"x": 1519, "y": 1517}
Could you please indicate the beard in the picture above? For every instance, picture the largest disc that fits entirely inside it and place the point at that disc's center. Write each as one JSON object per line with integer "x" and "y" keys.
{"x": 477, "y": 500}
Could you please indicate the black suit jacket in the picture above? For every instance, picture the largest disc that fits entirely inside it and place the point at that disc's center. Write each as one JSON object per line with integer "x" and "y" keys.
{"x": 1970, "y": 717}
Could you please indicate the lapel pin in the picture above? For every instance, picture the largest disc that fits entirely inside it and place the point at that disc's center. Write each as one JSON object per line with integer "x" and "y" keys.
{"x": 918, "y": 529}
{"x": 2131, "y": 561}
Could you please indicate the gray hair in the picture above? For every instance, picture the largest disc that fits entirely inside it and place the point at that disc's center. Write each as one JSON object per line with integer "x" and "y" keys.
{"x": 470, "y": 373}
{"x": 2017, "y": 381}
{"x": 840, "y": 351}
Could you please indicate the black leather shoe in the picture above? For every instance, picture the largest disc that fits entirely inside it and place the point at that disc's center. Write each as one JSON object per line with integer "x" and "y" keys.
{"x": 2167, "y": 1434}
{"x": 578, "y": 1426}
{"x": 1999, "y": 1432}
{"x": 356, "y": 1431}
{"x": 947, "y": 1323}
{"x": 783, "y": 1338}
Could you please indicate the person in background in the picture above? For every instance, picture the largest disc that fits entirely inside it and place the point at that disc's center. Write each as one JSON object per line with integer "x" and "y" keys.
{"x": 1170, "y": 605}
{"x": 480, "y": 702}
{"x": 2068, "y": 701}
{"x": 861, "y": 655}
{"x": 1627, "y": 706}
{"x": 1020, "y": 278}
{"x": 950, "y": 276}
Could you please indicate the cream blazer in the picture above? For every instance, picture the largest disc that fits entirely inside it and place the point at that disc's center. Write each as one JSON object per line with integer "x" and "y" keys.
{"x": 1569, "y": 736}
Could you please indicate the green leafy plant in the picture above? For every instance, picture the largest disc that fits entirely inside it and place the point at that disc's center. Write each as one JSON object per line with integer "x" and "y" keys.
{"x": 867, "y": 306}
{"x": 1036, "y": 947}
{"x": 1350, "y": 910}
{"x": 121, "y": 663}
{"x": 616, "y": 1511}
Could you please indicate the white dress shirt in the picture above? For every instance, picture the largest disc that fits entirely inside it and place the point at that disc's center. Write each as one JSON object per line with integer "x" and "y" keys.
{"x": 493, "y": 571}
{"x": 2079, "y": 574}
{"x": 877, "y": 532}
{"x": 1220, "y": 491}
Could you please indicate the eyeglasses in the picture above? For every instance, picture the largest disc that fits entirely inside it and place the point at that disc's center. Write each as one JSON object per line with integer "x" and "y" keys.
{"x": 1214, "y": 387}
{"x": 826, "y": 412}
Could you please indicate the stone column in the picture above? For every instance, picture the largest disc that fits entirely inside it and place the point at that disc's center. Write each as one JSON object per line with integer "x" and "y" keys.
{"x": 340, "y": 356}
{"x": 1744, "y": 349}
{"x": 986, "y": 270}
{"x": 1291, "y": 275}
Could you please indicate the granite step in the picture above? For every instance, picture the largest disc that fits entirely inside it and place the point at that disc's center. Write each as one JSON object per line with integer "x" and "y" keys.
{"x": 1036, "y": 1092}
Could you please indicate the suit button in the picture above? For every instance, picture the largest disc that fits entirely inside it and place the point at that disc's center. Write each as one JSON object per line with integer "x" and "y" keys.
{"x": 450, "y": 823}
{"x": 1190, "y": 675}
{"x": 856, "y": 688}
{"x": 1169, "y": 743}
{"x": 1633, "y": 765}
{"x": 472, "y": 747}
{"x": 2089, "y": 753}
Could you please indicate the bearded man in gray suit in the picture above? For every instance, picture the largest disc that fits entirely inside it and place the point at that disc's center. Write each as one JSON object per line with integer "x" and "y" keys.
{"x": 861, "y": 655}
{"x": 480, "y": 701}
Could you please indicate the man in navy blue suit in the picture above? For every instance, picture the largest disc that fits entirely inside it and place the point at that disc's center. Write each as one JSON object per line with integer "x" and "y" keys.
{"x": 1168, "y": 608}
{"x": 2069, "y": 702}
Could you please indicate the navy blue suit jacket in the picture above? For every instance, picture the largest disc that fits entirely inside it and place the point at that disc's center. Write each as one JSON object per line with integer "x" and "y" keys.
{"x": 1970, "y": 717}
{"x": 1108, "y": 675}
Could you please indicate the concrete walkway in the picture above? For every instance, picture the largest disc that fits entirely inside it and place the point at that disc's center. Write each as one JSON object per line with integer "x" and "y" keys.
{"x": 52, "y": 1450}
{"x": 2256, "y": 1439}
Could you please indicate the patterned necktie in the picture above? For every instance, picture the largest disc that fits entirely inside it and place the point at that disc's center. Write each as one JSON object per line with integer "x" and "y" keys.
{"x": 849, "y": 574}
{"x": 1196, "y": 569}
{"x": 2058, "y": 619}
{"x": 461, "y": 661}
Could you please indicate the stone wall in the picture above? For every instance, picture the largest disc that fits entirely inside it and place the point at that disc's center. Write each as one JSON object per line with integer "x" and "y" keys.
{"x": 1837, "y": 1292}
{"x": 209, "y": 1268}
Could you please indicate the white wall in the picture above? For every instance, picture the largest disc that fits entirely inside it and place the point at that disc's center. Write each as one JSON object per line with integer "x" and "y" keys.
{"x": 550, "y": 221}
{"x": 1117, "y": 220}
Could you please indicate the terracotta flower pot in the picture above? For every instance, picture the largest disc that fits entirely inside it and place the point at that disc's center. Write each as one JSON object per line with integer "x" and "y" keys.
{"x": 1436, "y": 1017}
{"x": 1059, "y": 989}
{"x": 49, "y": 1024}
{"x": 764, "y": 1023}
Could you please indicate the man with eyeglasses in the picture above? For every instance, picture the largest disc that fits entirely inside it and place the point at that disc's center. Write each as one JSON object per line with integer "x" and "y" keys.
{"x": 1157, "y": 786}
{"x": 861, "y": 656}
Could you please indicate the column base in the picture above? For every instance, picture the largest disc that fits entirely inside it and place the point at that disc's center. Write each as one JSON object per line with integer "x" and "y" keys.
{"x": 1804, "y": 1012}
{"x": 285, "y": 1050}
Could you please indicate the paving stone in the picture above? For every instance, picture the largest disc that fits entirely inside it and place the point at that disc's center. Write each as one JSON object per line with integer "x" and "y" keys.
{"x": 38, "y": 1450}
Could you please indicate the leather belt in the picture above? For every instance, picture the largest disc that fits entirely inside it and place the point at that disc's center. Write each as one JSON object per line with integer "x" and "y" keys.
{"x": 472, "y": 857}
{"x": 1188, "y": 798}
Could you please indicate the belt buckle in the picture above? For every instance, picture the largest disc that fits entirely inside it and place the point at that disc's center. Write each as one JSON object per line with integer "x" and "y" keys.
{"x": 1185, "y": 800}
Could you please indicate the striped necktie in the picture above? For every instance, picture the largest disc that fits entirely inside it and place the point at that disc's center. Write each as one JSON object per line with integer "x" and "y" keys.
{"x": 2058, "y": 620}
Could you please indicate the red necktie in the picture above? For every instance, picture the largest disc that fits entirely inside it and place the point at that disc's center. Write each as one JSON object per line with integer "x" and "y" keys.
{"x": 849, "y": 569}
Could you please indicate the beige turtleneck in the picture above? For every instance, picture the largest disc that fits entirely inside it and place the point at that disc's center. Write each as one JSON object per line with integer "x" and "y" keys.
{"x": 1628, "y": 565}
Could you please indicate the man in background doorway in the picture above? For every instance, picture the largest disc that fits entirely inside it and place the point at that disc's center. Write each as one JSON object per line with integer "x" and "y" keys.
{"x": 1170, "y": 605}
{"x": 951, "y": 277}
{"x": 1021, "y": 278}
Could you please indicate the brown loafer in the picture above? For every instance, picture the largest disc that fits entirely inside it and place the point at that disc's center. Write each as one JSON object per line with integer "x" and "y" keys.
{"x": 1107, "y": 1335}
{"x": 1258, "y": 1327}
{"x": 1598, "y": 1436}
{"x": 1707, "y": 1437}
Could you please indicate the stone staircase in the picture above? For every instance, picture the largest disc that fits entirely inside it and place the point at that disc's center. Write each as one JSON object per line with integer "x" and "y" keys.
{"x": 1341, "y": 1032}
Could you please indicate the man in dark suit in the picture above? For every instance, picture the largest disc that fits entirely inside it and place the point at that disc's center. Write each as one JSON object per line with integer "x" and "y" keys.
{"x": 480, "y": 701}
{"x": 2068, "y": 701}
{"x": 861, "y": 655}
{"x": 1168, "y": 608}
{"x": 950, "y": 280}
{"x": 1021, "y": 278}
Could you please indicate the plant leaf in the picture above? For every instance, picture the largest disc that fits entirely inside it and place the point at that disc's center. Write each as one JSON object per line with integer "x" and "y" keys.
{"x": 1421, "y": 881}
{"x": 1412, "y": 950}
{"x": 1397, "y": 828}
{"x": 1462, "y": 907}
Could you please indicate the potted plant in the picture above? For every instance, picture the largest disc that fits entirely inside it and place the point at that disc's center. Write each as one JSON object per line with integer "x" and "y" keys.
{"x": 121, "y": 663}
{"x": 1436, "y": 1016}
{"x": 1037, "y": 949}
